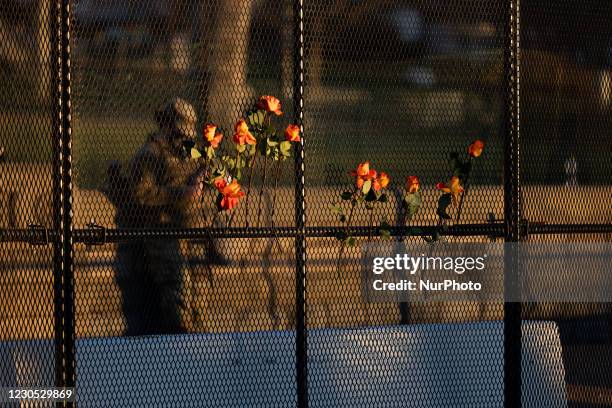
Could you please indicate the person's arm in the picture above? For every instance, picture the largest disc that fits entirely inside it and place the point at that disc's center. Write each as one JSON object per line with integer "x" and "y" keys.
{"x": 146, "y": 189}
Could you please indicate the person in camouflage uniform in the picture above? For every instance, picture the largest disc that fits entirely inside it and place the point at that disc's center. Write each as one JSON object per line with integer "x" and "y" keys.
{"x": 160, "y": 190}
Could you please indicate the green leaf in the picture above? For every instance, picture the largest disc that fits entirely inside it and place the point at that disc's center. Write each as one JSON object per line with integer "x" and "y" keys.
{"x": 256, "y": 118}
{"x": 459, "y": 167}
{"x": 195, "y": 153}
{"x": 261, "y": 116}
{"x": 337, "y": 209}
{"x": 412, "y": 203}
{"x": 443, "y": 214}
{"x": 271, "y": 142}
{"x": 443, "y": 202}
{"x": 218, "y": 172}
{"x": 270, "y": 130}
{"x": 240, "y": 148}
{"x": 229, "y": 161}
{"x": 350, "y": 241}
{"x": 251, "y": 119}
{"x": 367, "y": 186}
{"x": 456, "y": 164}
{"x": 210, "y": 152}
{"x": 342, "y": 218}
{"x": 385, "y": 230}
{"x": 347, "y": 195}
{"x": 285, "y": 148}
{"x": 466, "y": 168}
{"x": 383, "y": 198}
{"x": 262, "y": 148}
{"x": 371, "y": 197}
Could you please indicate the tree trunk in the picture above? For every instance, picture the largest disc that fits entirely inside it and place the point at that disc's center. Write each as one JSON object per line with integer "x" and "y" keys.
{"x": 226, "y": 61}
{"x": 287, "y": 33}
{"x": 43, "y": 51}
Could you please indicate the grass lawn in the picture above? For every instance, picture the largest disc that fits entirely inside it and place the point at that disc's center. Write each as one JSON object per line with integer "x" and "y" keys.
{"x": 401, "y": 129}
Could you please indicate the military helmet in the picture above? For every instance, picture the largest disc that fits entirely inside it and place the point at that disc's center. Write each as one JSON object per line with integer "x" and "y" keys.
{"x": 178, "y": 115}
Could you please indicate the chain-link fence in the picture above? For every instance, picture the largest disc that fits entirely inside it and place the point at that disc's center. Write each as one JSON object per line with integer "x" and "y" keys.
{"x": 118, "y": 281}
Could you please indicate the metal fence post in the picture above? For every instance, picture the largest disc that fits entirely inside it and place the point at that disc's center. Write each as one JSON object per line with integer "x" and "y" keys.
{"x": 301, "y": 344}
{"x": 62, "y": 200}
{"x": 512, "y": 204}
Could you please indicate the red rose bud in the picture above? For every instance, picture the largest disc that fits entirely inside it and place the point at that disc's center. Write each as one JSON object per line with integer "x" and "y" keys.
{"x": 413, "y": 184}
{"x": 292, "y": 133}
{"x": 475, "y": 149}
{"x": 211, "y": 136}
{"x": 384, "y": 179}
{"x": 270, "y": 104}
{"x": 243, "y": 135}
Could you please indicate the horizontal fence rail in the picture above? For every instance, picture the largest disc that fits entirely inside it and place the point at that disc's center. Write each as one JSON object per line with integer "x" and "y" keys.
{"x": 38, "y": 236}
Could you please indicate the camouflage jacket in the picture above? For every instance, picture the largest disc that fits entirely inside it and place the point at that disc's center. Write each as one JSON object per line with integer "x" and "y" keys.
{"x": 156, "y": 180}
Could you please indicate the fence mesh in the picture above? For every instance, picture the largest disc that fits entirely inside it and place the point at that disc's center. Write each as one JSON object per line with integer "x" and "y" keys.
{"x": 211, "y": 321}
{"x": 26, "y": 294}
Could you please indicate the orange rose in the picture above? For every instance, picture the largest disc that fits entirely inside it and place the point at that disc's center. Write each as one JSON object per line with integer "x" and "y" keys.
{"x": 376, "y": 186}
{"x": 231, "y": 193}
{"x": 211, "y": 136}
{"x": 220, "y": 184}
{"x": 270, "y": 104}
{"x": 241, "y": 126}
{"x": 413, "y": 184}
{"x": 363, "y": 170}
{"x": 243, "y": 135}
{"x": 292, "y": 133}
{"x": 475, "y": 149}
{"x": 229, "y": 202}
{"x": 454, "y": 188}
{"x": 384, "y": 179}
{"x": 363, "y": 173}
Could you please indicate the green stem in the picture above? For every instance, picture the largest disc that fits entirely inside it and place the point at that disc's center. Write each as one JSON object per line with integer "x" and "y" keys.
{"x": 371, "y": 223}
{"x": 248, "y": 193}
{"x": 273, "y": 209}
{"x": 203, "y": 169}
{"x": 252, "y": 165}
{"x": 231, "y": 219}
{"x": 404, "y": 221}
{"x": 261, "y": 190}
{"x": 465, "y": 191}
{"x": 276, "y": 179}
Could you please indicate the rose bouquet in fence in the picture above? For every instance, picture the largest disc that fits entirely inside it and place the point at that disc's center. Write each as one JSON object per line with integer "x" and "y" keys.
{"x": 230, "y": 167}
{"x": 368, "y": 190}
